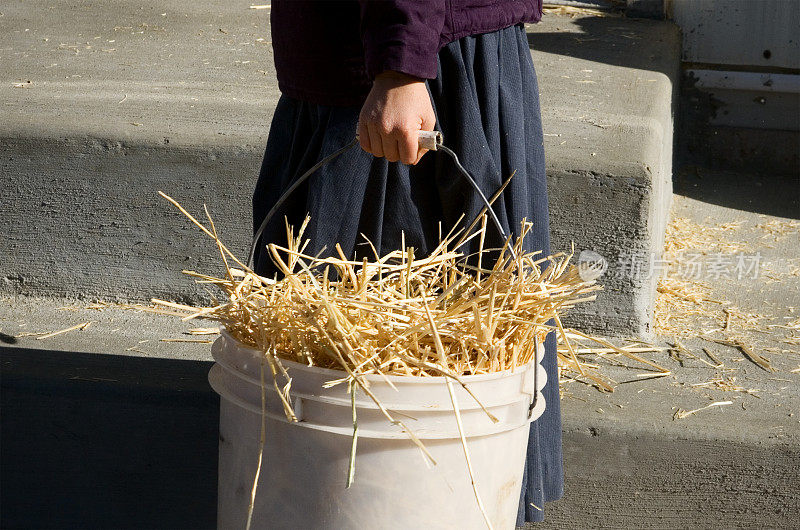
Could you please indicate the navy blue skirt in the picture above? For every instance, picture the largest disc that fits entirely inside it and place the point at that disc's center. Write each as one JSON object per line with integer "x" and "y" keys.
{"x": 486, "y": 101}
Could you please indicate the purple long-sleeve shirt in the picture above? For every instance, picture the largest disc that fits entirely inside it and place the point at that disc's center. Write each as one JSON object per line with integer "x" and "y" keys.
{"x": 328, "y": 52}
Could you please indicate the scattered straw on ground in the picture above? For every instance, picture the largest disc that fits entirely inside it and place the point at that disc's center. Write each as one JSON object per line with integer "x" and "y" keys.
{"x": 681, "y": 413}
{"x": 686, "y": 306}
{"x": 683, "y": 235}
{"x": 776, "y": 229}
{"x": 47, "y": 334}
{"x": 683, "y": 300}
{"x": 727, "y": 384}
{"x": 575, "y": 345}
{"x": 681, "y": 303}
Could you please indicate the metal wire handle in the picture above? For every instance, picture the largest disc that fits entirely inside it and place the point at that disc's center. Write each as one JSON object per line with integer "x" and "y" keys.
{"x": 431, "y": 140}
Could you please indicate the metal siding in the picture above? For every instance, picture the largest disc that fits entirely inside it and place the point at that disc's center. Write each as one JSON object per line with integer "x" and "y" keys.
{"x": 750, "y": 99}
{"x": 739, "y": 32}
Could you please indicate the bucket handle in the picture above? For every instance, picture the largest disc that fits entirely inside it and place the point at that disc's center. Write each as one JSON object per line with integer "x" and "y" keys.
{"x": 431, "y": 140}
{"x": 526, "y": 385}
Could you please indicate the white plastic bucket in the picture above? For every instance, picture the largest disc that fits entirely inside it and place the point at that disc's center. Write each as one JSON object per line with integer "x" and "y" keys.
{"x": 305, "y": 464}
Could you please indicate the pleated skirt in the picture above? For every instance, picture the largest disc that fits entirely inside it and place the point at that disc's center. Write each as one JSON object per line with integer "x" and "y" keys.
{"x": 486, "y": 102}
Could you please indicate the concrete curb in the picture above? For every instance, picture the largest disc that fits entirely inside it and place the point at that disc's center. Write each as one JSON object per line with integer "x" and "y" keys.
{"x": 126, "y": 100}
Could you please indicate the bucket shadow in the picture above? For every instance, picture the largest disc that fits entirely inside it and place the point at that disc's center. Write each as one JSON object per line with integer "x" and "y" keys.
{"x": 101, "y": 441}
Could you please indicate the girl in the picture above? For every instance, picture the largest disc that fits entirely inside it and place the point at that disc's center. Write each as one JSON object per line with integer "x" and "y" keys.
{"x": 386, "y": 69}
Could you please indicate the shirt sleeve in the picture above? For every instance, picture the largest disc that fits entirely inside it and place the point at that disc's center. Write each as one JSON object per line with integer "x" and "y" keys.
{"x": 402, "y": 35}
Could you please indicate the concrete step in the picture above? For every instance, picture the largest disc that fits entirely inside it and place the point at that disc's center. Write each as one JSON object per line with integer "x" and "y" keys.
{"x": 111, "y": 427}
{"x": 608, "y": 87}
{"x": 104, "y": 104}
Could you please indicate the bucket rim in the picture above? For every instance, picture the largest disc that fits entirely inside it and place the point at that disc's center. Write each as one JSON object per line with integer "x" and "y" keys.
{"x": 216, "y": 380}
{"x": 340, "y": 374}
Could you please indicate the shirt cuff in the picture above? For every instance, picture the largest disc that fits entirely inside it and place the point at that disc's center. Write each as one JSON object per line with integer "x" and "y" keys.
{"x": 402, "y": 35}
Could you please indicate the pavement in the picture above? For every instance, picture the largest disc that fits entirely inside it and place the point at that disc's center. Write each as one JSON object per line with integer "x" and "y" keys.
{"x": 128, "y": 99}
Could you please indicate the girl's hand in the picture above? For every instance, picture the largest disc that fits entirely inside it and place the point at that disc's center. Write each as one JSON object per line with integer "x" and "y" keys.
{"x": 396, "y": 109}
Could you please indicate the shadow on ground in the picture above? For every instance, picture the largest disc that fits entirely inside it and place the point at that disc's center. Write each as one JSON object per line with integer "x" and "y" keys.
{"x": 603, "y": 39}
{"x": 758, "y": 192}
{"x": 100, "y": 441}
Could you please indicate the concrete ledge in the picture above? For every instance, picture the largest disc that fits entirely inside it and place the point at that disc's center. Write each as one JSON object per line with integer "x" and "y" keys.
{"x": 76, "y": 231}
{"x": 608, "y": 87}
{"x": 104, "y": 104}
{"x": 126, "y": 99}
{"x": 654, "y": 482}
